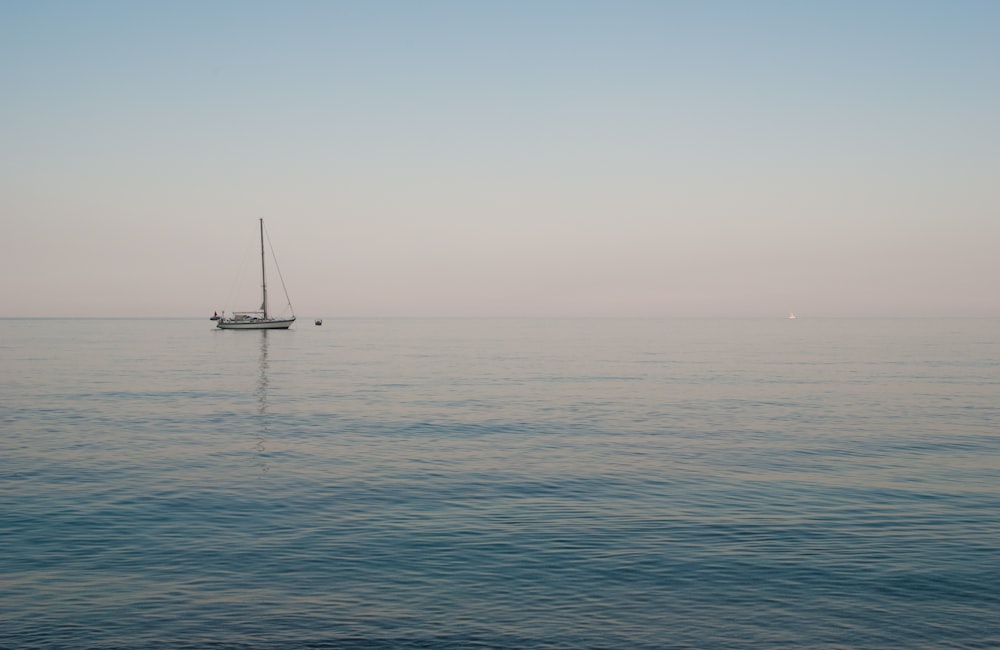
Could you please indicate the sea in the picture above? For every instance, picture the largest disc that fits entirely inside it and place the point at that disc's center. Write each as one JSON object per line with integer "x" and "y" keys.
{"x": 500, "y": 483}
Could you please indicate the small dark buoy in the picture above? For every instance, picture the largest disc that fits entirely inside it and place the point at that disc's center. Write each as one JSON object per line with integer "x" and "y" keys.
{"x": 319, "y": 321}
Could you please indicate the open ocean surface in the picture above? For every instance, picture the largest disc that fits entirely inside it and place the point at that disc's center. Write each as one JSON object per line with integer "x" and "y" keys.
{"x": 465, "y": 483}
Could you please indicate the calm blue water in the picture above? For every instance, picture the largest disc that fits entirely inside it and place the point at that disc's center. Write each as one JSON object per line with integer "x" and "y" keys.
{"x": 500, "y": 483}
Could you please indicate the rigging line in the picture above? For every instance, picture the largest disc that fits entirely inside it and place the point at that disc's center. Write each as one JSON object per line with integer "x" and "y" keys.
{"x": 278, "y": 269}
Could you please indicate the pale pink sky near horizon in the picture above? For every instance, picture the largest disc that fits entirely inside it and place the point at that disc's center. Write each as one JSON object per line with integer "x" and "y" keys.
{"x": 634, "y": 159}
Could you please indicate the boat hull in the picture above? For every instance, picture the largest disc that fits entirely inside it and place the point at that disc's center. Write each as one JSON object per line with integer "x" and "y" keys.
{"x": 263, "y": 324}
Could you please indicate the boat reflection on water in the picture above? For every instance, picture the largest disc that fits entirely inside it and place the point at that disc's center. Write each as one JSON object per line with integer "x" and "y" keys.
{"x": 262, "y": 415}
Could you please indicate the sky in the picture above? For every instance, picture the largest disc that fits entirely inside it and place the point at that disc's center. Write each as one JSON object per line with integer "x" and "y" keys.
{"x": 480, "y": 158}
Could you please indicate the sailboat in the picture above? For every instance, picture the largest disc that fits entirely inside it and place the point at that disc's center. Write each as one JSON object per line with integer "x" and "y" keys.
{"x": 262, "y": 319}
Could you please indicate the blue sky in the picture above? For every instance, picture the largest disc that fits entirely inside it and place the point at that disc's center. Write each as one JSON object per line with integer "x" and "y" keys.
{"x": 481, "y": 158}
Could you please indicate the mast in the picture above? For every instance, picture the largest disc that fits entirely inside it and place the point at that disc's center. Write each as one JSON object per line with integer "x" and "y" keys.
{"x": 263, "y": 277}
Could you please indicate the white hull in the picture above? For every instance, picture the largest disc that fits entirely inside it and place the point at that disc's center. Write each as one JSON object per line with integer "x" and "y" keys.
{"x": 269, "y": 324}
